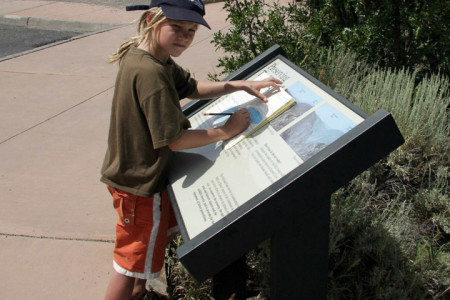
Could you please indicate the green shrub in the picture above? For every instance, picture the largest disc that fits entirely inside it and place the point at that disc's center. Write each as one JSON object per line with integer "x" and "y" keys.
{"x": 400, "y": 207}
{"x": 412, "y": 35}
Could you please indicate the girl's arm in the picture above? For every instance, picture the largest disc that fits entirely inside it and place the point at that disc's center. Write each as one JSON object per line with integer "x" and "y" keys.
{"x": 192, "y": 138}
{"x": 210, "y": 89}
{"x": 237, "y": 122}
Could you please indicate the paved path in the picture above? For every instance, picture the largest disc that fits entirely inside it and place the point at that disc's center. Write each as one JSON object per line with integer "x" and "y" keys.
{"x": 56, "y": 218}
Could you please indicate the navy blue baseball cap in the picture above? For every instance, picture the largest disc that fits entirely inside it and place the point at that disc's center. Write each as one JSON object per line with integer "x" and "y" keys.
{"x": 180, "y": 10}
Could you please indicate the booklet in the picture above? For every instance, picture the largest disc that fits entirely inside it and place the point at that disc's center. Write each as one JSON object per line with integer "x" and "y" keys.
{"x": 261, "y": 113}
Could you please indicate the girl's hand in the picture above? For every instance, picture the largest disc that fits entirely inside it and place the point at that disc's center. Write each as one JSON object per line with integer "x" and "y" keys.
{"x": 254, "y": 87}
{"x": 237, "y": 123}
{"x": 192, "y": 138}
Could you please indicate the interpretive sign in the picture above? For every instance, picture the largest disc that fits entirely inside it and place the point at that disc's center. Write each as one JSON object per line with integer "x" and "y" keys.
{"x": 232, "y": 195}
{"x": 219, "y": 179}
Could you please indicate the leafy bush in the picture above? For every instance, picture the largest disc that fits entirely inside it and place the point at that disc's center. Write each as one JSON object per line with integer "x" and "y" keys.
{"x": 401, "y": 34}
{"x": 392, "y": 33}
{"x": 255, "y": 29}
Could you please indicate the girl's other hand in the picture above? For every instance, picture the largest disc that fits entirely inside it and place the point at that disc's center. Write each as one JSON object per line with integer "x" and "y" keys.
{"x": 254, "y": 87}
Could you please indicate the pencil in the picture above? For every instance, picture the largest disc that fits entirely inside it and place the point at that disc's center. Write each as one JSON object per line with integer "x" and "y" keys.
{"x": 217, "y": 114}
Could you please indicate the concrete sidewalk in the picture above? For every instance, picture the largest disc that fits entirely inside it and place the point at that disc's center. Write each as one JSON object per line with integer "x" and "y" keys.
{"x": 56, "y": 218}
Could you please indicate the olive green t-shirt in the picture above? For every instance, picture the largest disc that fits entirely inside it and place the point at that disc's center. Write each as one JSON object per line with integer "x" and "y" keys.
{"x": 145, "y": 118}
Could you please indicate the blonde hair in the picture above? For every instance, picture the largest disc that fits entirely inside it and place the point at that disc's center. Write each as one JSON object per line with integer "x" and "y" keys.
{"x": 154, "y": 16}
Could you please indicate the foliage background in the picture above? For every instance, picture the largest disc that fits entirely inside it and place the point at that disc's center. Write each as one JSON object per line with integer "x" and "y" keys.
{"x": 400, "y": 34}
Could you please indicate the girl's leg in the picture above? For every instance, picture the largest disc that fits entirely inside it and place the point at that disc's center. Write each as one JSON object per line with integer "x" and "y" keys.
{"x": 139, "y": 287}
{"x": 120, "y": 287}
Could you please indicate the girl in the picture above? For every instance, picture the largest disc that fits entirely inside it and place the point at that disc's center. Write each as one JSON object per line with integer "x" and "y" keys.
{"x": 146, "y": 124}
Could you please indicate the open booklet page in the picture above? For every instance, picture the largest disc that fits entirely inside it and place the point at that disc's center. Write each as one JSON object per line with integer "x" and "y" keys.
{"x": 260, "y": 112}
{"x": 209, "y": 182}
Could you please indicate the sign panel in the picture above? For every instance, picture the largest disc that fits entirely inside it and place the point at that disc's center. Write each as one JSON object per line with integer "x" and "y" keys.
{"x": 227, "y": 199}
{"x": 215, "y": 180}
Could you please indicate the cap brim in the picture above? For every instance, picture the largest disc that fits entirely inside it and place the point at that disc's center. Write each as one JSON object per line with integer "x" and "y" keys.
{"x": 181, "y": 14}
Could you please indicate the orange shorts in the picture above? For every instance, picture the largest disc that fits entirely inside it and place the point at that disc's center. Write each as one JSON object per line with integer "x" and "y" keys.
{"x": 141, "y": 233}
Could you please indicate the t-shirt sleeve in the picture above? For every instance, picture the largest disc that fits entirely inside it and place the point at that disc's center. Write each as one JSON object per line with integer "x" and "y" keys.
{"x": 185, "y": 84}
{"x": 166, "y": 121}
{"x": 159, "y": 93}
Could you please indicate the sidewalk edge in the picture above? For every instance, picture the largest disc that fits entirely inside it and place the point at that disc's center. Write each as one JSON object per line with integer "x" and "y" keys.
{"x": 56, "y": 24}
{"x": 82, "y": 35}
